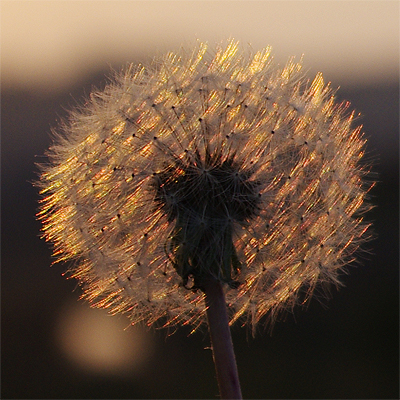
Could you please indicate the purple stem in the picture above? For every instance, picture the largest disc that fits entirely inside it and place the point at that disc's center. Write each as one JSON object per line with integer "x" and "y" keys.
{"x": 221, "y": 341}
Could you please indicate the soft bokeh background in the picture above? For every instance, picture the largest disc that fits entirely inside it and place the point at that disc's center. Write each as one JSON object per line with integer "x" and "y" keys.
{"x": 52, "y": 54}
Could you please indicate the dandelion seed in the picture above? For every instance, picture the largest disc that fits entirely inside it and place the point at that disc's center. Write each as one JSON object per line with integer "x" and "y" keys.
{"x": 206, "y": 166}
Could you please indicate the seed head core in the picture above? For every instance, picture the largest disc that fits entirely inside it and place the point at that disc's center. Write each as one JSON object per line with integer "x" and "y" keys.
{"x": 205, "y": 198}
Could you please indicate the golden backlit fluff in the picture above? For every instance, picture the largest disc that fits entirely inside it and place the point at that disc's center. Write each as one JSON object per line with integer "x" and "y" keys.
{"x": 206, "y": 163}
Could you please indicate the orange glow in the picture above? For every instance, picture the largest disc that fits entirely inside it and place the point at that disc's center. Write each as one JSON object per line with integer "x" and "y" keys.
{"x": 99, "y": 343}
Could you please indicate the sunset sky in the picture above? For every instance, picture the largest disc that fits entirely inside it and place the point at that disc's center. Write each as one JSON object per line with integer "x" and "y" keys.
{"x": 49, "y": 43}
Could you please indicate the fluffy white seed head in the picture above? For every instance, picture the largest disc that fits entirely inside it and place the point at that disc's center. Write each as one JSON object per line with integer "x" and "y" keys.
{"x": 206, "y": 163}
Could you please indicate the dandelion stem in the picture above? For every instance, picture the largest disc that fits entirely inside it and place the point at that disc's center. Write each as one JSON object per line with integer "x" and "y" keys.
{"x": 221, "y": 341}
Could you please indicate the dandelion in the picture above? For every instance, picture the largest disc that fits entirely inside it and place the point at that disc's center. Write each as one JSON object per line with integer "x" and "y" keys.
{"x": 206, "y": 176}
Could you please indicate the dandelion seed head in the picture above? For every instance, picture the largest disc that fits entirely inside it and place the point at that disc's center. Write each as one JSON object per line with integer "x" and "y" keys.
{"x": 206, "y": 164}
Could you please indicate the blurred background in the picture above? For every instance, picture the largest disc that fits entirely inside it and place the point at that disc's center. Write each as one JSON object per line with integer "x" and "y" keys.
{"x": 53, "y": 346}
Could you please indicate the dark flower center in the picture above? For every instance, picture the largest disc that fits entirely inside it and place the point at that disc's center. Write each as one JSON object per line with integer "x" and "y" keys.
{"x": 205, "y": 198}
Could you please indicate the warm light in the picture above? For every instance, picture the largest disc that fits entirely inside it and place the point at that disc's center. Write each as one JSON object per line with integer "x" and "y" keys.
{"x": 350, "y": 41}
{"x": 99, "y": 343}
